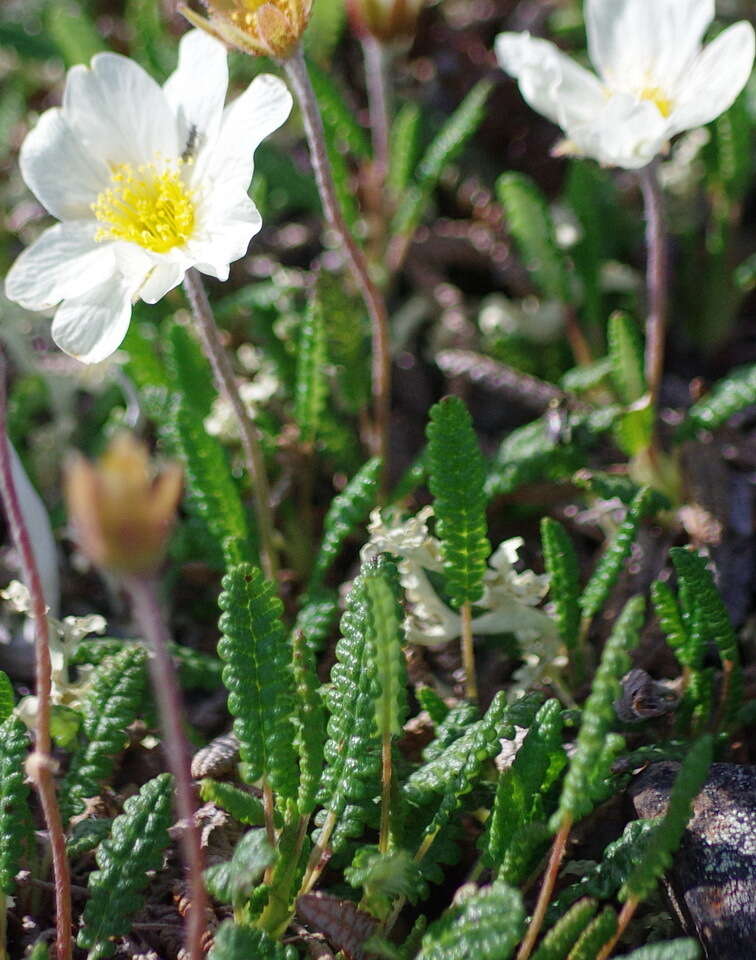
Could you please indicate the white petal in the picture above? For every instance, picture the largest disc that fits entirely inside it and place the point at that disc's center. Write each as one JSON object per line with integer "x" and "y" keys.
{"x": 63, "y": 262}
{"x": 718, "y": 75}
{"x": 626, "y": 133}
{"x": 645, "y": 43}
{"x": 119, "y": 112}
{"x": 197, "y": 89}
{"x": 92, "y": 326}
{"x": 61, "y": 174}
{"x": 550, "y": 82}
{"x": 225, "y": 231}
{"x": 261, "y": 109}
{"x": 162, "y": 278}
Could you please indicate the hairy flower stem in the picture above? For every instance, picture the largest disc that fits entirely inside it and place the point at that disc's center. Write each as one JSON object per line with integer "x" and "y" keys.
{"x": 468, "y": 653}
{"x": 176, "y": 749}
{"x": 544, "y": 897}
{"x": 299, "y": 78}
{"x": 40, "y": 765}
{"x": 626, "y": 915}
{"x": 657, "y": 278}
{"x": 215, "y": 352}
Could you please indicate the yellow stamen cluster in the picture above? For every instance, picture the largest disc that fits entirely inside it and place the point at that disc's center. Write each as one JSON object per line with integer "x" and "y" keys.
{"x": 150, "y": 206}
{"x": 268, "y": 28}
{"x": 656, "y": 96}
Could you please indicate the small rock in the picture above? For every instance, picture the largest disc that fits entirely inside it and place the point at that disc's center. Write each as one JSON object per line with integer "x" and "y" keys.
{"x": 712, "y": 882}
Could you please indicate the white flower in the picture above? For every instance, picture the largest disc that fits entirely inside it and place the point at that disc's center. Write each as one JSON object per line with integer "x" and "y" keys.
{"x": 654, "y": 77}
{"x": 146, "y": 181}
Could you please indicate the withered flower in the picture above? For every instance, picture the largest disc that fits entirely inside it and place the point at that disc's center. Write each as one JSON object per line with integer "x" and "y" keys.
{"x": 122, "y": 508}
{"x": 390, "y": 21}
{"x": 262, "y": 28}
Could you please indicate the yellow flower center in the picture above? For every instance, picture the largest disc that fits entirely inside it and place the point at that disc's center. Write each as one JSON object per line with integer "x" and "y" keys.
{"x": 656, "y": 96}
{"x": 149, "y": 206}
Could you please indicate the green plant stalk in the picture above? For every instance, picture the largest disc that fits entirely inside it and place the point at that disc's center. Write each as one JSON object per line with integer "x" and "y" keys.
{"x": 468, "y": 652}
{"x": 544, "y": 897}
{"x": 384, "y": 835}
{"x": 207, "y": 331}
{"x": 299, "y": 78}
{"x": 657, "y": 278}
{"x": 176, "y": 749}
{"x": 40, "y": 765}
{"x": 318, "y": 859}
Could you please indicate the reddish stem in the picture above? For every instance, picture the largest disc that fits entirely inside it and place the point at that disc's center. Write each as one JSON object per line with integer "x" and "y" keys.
{"x": 40, "y": 765}
{"x": 176, "y": 749}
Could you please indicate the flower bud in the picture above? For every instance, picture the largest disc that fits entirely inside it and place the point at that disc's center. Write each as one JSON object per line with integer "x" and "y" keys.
{"x": 390, "y": 21}
{"x": 121, "y": 508}
{"x": 262, "y": 28}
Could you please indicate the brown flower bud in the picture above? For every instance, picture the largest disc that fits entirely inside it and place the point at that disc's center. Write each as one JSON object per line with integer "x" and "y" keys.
{"x": 262, "y": 28}
{"x": 121, "y": 508}
{"x": 390, "y": 21}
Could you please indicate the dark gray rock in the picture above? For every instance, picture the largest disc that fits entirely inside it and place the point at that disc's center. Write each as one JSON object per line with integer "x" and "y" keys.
{"x": 712, "y": 881}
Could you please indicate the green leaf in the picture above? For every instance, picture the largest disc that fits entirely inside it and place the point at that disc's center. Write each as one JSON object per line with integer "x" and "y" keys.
{"x": 404, "y": 147}
{"x": 232, "y": 882}
{"x": 529, "y": 221}
{"x": 347, "y": 511}
{"x": 325, "y": 29}
{"x": 672, "y": 950}
{"x": 704, "y": 615}
{"x": 241, "y": 805}
{"x": 234, "y": 942}
{"x": 612, "y": 561}
{"x": 626, "y": 356}
{"x": 385, "y": 622}
{"x": 113, "y": 702}
{"x": 443, "y": 150}
{"x": 599, "y": 932}
{"x": 657, "y": 853}
{"x": 479, "y": 743}
{"x": 309, "y": 722}
{"x": 557, "y": 942}
{"x": 135, "y": 846}
{"x": 598, "y": 714}
{"x": 487, "y": 925}
{"x": 188, "y": 368}
{"x": 73, "y": 33}
{"x": 14, "y": 800}
{"x": 337, "y": 116}
{"x": 670, "y": 619}
{"x": 350, "y": 783}
{"x": 151, "y": 42}
{"x": 311, "y": 388}
{"x": 520, "y": 790}
{"x": 729, "y": 396}
{"x": 255, "y": 649}
{"x": 561, "y": 565}
{"x": 87, "y": 834}
{"x": 457, "y": 477}
{"x": 7, "y": 697}
{"x": 384, "y": 877}
{"x": 211, "y": 490}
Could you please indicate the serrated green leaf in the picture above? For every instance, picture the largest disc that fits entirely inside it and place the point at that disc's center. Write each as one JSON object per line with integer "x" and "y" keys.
{"x": 672, "y": 950}
{"x": 457, "y": 475}
{"x": 311, "y": 387}
{"x": 557, "y": 941}
{"x": 529, "y": 221}
{"x": 242, "y": 806}
{"x": 626, "y": 356}
{"x": 729, "y": 395}
{"x": 598, "y": 714}
{"x": 612, "y": 561}
{"x": 337, "y": 116}
{"x": 15, "y": 827}
{"x": 443, "y": 150}
{"x": 257, "y": 674}
{"x": 487, "y": 925}
{"x": 232, "y": 882}
{"x": 7, "y": 697}
{"x": 599, "y": 932}
{"x": 405, "y": 147}
{"x": 135, "y": 846}
{"x": 235, "y": 942}
{"x": 309, "y": 722}
{"x": 561, "y": 565}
